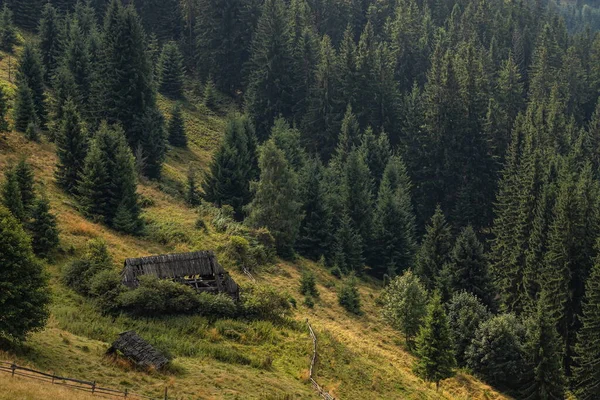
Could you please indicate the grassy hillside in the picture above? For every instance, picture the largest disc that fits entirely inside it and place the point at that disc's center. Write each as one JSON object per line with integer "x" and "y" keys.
{"x": 360, "y": 358}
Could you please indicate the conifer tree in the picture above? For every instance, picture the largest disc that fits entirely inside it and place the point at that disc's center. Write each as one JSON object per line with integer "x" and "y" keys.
{"x": 44, "y": 232}
{"x": 468, "y": 269}
{"x": 366, "y": 91}
{"x": 170, "y": 71}
{"x": 348, "y": 247}
{"x": 586, "y": 373}
{"x": 377, "y": 152}
{"x": 275, "y": 204}
{"x": 49, "y": 32}
{"x": 288, "y": 140}
{"x": 25, "y": 178}
{"x": 25, "y": 305}
{"x": 434, "y": 345}
{"x": 434, "y": 251}
{"x": 465, "y": 313}
{"x": 349, "y": 296}
{"x": 543, "y": 349}
{"x": 65, "y": 90}
{"x": 314, "y": 237}
{"x": 153, "y": 142}
{"x": 8, "y": 32}
{"x": 30, "y": 73}
{"x": 347, "y": 69}
{"x": 24, "y": 111}
{"x": 394, "y": 232}
{"x": 305, "y": 51}
{"x": 3, "y": 111}
{"x": 358, "y": 194}
{"x": 270, "y": 85}
{"x": 11, "y": 195}
{"x": 233, "y": 167}
{"x": 192, "y": 195}
{"x": 78, "y": 61}
{"x": 177, "y": 135}
{"x": 26, "y": 13}
{"x": 71, "y": 147}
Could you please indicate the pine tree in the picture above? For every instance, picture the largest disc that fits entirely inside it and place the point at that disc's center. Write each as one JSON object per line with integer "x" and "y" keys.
{"x": 170, "y": 71}
{"x": 434, "y": 345}
{"x": 44, "y": 232}
{"x": 24, "y": 111}
{"x": 394, "y": 232}
{"x": 358, "y": 194}
{"x": 468, "y": 269}
{"x": 288, "y": 140}
{"x": 153, "y": 143}
{"x": 349, "y": 296}
{"x": 586, "y": 373}
{"x": 366, "y": 90}
{"x": 192, "y": 195}
{"x": 434, "y": 251}
{"x": 8, "y": 32}
{"x": 348, "y": 247}
{"x": 176, "y": 128}
{"x": 26, "y": 13}
{"x": 233, "y": 167}
{"x": 25, "y": 177}
{"x": 405, "y": 305}
{"x": 543, "y": 348}
{"x": 275, "y": 204}
{"x": 25, "y": 305}
{"x": 3, "y": 111}
{"x": 465, "y": 313}
{"x": 71, "y": 147}
{"x": 377, "y": 152}
{"x": 50, "y": 48}
{"x": 78, "y": 60}
{"x": 270, "y": 85}
{"x": 315, "y": 237}
{"x": 30, "y": 73}
{"x": 11, "y": 195}
{"x": 347, "y": 69}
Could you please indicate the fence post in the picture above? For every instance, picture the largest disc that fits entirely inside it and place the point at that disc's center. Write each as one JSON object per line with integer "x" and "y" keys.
{"x": 13, "y": 367}
{"x": 93, "y": 387}
{"x": 126, "y": 392}
{"x": 166, "y": 393}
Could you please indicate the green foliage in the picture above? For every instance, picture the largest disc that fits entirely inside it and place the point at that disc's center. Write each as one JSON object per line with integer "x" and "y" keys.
{"x": 77, "y": 58}
{"x": 263, "y": 301}
{"x": 404, "y": 304}
{"x": 170, "y": 71}
{"x": 50, "y": 47}
{"x": 26, "y": 13}
{"x": 349, "y": 297}
{"x": 11, "y": 195}
{"x": 348, "y": 248}
{"x": 434, "y": 251}
{"x": 274, "y": 205}
{"x": 192, "y": 194}
{"x": 8, "y": 32}
{"x": 71, "y": 148}
{"x": 466, "y": 313}
{"x": 24, "y": 297}
{"x": 496, "y": 353}
{"x": 30, "y": 74}
{"x": 357, "y": 192}
{"x": 24, "y": 111}
{"x": 3, "y": 110}
{"x": 42, "y": 225}
{"x": 233, "y": 167}
{"x": 78, "y": 274}
{"x": 308, "y": 284}
{"x": 25, "y": 177}
{"x": 106, "y": 287}
{"x": 177, "y": 136}
{"x": 32, "y": 133}
{"x": 209, "y": 95}
{"x": 434, "y": 345}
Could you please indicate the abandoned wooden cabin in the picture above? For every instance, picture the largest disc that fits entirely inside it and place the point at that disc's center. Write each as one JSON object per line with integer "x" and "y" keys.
{"x": 198, "y": 269}
{"x": 138, "y": 351}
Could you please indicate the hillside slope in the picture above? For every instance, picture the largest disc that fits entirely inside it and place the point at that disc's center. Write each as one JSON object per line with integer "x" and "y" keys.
{"x": 359, "y": 358}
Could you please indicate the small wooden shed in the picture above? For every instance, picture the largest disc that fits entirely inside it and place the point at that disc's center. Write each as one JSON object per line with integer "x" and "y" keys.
{"x": 138, "y": 350}
{"x": 198, "y": 269}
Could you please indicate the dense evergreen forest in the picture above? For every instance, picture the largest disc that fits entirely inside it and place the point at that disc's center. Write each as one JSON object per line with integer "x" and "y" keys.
{"x": 450, "y": 148}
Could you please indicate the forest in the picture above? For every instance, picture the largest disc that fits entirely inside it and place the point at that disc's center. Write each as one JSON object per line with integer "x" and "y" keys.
{"x": 447, "y": 149}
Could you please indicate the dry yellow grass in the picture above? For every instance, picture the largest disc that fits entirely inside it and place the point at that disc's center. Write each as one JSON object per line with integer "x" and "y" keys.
{"x": 28, "y": 389}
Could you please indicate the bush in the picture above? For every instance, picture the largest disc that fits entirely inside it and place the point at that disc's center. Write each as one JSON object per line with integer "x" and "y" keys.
{"x": 496, "y": 352}
{"x": 78, "y": 274}
{"x": 308, "y": 284}
{"x": 336, "y": 271}
{"x": 349, "y": 297}
{"x": 237, "y": 252}
{"x": 309, "y": 302}
{"x": 218, "y": 306}
{"x": 106, "y": 287}
{"x": 263, "y": 301}
{"x": 466, "y": 312}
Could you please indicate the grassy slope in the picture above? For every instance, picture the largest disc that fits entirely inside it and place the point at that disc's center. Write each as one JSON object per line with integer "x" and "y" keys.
{"x": 360, "y": 358}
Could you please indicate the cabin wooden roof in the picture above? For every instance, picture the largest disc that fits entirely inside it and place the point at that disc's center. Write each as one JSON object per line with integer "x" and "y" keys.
{"x": 138, "y": 350}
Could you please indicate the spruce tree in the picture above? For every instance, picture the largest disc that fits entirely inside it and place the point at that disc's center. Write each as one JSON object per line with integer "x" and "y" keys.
{"x": 358, "y": 194}
{"x": 176, "y": 128}
{"x": 71, "y": 147}
{"x": 586, "y": 373}
{"x": 545, "y": 379}
{"x": 30, "y": 73}
{"x": 78, "y": 60}
{"x": 25, "y": 177}
{"x": 44, "y": 232}
{"x": 233, "y": 167}
{"x": 315, "y": 236}
{"x": 434, "y": 251}
{"x": 24, "y": 110}
{"x": 192, "y": 195}
{"x": 377, "y": 152}
{"x": 153, "y": 142}
{"x": 50, "y": 47}
{"x": 394, "y": 232}
{"x": 275, "y": 205}
{"x": 170, "y": 71}
{"x": 468, "y": 268}
{"x": 465, "y": 313}
{"x": 25, "y": 305}
{"x": 269, "y": 93}
{"x": 434, "y": 345}
{"x": 3, "y": 111}
{"x": 11, "y": 195}
{"x": 348, "y": 247}
{"x": 26, "y": 13}
{"x": 8, "y": 32}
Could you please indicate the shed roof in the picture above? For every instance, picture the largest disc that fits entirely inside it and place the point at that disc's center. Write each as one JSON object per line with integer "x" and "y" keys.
{"x": 138, "y": 350}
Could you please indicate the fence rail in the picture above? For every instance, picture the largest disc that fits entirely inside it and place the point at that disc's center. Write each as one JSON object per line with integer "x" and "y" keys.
{"x": 322, "y": 392}
{"x": 71, "y": 383}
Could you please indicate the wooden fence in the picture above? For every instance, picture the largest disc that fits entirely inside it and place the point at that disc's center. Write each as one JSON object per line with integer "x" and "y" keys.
{"x": 322, "y": 392}
{"x": 76, "y": 384}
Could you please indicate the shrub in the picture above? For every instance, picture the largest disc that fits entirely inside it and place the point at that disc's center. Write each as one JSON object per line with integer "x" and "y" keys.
{"x": 496, "y": 352}
{"x": 465, "y": 313}
{"x": 308, "y": 284}
{"x": 79, "y": 273}
{"x": 349, "y": 297}
{"x": 219, "y": 305}
{"x": 237, "y": 252}
{"x": 309, "y": 302}
{"x": 336, "y": 271}
{"x": 263, "y": 301}
{"x": 106, "y": 287}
